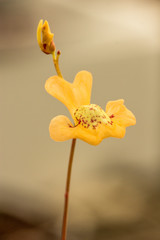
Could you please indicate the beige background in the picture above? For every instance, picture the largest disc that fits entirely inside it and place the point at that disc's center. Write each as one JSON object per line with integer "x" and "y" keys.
{"x": 116, "y": 182}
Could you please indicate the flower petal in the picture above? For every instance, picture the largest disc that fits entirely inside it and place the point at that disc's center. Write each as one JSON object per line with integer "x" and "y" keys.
{"x": 121, "y": 115}
{"x": 82, "y": 87}
{"x": 113, "y": 130}
{"x": 39, "y": 31}
{"x": 95, "y": 136}
{"x": 61, "y": 129}
{"x": 72, "y": 95}
{"x": 62, "y": 90}
{"x": 91, "y": 136}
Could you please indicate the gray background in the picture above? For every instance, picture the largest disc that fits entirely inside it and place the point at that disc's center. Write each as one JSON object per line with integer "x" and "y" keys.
{"x": 115, "y": 185}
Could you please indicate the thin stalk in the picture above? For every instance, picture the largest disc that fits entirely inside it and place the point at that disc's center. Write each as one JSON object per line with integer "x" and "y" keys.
{"x": 66, "y": 197}
{"x": 56, "y": 63}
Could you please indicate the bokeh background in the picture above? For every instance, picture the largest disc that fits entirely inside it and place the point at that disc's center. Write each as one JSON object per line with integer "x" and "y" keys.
{"x": 115, "y": 189}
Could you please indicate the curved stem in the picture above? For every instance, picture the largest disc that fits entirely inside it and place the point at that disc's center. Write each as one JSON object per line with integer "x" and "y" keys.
{"x": 65, "y": 213}
{"x": 56, "y": 64}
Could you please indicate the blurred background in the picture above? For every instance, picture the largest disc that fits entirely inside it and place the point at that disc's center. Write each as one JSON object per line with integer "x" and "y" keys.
{"x": 115, "y": 188}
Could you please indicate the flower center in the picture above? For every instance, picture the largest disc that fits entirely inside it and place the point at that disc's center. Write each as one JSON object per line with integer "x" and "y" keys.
{"x": 90, "y": 116}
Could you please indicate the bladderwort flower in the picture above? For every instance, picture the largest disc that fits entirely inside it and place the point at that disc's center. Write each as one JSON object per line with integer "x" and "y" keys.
{"x": 91, "y": 123}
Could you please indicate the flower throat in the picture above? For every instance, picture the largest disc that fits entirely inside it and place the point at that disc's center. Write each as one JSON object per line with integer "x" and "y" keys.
{"x": 90, "y": 116}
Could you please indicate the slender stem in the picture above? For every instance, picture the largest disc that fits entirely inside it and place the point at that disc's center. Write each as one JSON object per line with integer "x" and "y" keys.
{"x": 65, "y": 213}
{"x": 56, "y": 64}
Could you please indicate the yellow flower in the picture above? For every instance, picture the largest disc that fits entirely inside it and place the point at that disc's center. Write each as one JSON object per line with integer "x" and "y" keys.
{"x": 45, "y": 37}
{"x": 91, "y": 123}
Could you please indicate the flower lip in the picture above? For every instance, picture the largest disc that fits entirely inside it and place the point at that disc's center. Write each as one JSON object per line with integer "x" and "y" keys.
{"x": 90, "y": 116}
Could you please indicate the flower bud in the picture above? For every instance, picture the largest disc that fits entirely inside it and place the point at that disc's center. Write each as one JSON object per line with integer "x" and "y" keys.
{"x": 45, "y": 38}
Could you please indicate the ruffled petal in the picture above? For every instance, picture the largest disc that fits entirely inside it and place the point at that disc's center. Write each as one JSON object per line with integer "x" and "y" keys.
{"x": 82, "y": 87}
{"x": 113, "y": 130}
{"x": 61, "y": 129}
{"x": 120, "y": 114}
{"x": 95, "y": 136}
{"x": 90, "y": 136}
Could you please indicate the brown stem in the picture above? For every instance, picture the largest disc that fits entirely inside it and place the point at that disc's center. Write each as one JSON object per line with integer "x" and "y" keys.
{"x": 65, "y": 213}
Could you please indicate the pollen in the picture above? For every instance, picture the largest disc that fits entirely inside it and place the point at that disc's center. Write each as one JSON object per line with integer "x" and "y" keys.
{"x": 91, "y": 116}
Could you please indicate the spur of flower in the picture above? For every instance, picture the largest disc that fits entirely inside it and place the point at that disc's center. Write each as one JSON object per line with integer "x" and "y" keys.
{"x": 91, "y": 123}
